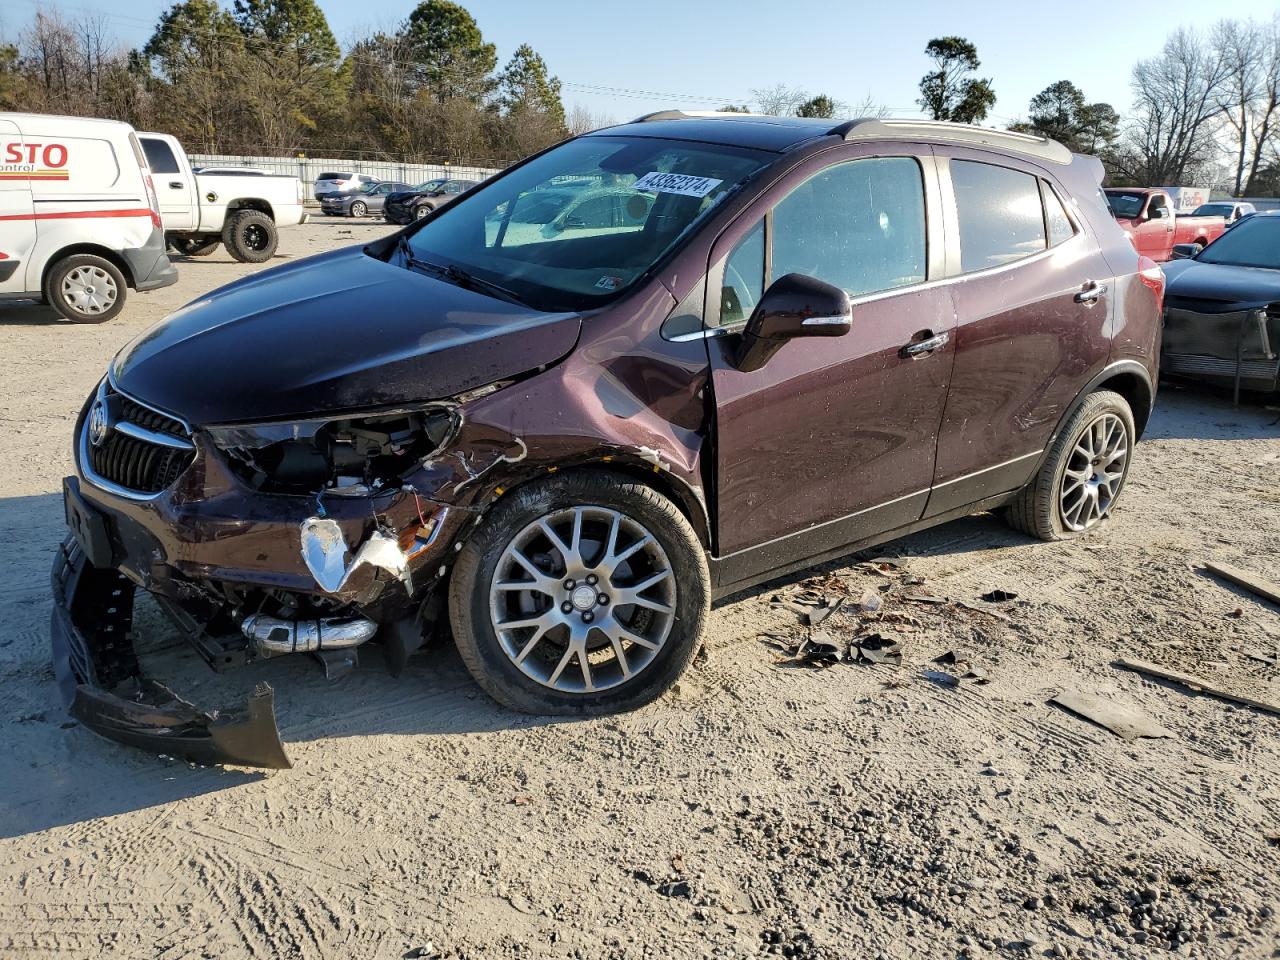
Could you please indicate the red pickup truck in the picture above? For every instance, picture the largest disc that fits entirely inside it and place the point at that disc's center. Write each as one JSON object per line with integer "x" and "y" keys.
{"x": 1148, "y": 217}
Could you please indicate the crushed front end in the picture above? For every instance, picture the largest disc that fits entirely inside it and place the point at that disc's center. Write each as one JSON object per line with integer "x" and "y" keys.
{"x": 256, "y": 541}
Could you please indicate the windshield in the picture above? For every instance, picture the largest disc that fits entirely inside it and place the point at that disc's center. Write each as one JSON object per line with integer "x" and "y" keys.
{"x": 579, "y": 224}
{"x": 1250, "y": 243}
{"x": 430, "y": 185}
{"x": 1213, "y": 210}
{"x": 1125, "y": 205}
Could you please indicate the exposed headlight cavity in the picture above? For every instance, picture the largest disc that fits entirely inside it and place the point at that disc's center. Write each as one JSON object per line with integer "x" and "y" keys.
{"x": 309, "y": 456}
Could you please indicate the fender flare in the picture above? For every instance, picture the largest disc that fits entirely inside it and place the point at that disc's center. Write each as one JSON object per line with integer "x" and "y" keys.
{"x": 1128, "y": 370}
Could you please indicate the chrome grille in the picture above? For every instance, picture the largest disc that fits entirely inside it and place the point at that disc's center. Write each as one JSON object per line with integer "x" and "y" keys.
{"x": 130, "y": 448}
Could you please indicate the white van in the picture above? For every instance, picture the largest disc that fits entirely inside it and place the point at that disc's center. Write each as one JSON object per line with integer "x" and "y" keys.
{"x": 79, "y": 220}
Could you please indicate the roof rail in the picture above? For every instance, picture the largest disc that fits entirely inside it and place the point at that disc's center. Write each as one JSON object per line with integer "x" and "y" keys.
{"x": 870, "y": 128}
{"x": 691, "y": 115}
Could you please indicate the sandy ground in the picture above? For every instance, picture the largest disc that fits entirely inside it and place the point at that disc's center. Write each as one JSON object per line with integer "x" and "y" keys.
{"x": 764, "y": 807}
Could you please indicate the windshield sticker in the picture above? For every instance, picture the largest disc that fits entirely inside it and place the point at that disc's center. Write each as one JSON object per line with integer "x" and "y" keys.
{"x": 609, "y": 283}
{"x": 684, "y": 185}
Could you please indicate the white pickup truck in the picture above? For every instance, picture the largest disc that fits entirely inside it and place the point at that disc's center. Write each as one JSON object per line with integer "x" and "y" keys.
{"x": 201, "y": 210}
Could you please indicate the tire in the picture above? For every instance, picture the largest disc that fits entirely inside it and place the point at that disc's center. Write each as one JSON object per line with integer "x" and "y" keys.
{"x": 84, "y": 288}
{"x": 422, "y": 211}
{"x": 195, "y": 246}
{"x": 1047, "y": 509}
{"x": 670, "y": 616}
{"x": 358, "y": 208}
{"x": 250, "y": 236}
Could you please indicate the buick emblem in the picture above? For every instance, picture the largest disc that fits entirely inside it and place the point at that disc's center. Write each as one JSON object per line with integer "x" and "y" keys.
{"x": 98, "y": 424}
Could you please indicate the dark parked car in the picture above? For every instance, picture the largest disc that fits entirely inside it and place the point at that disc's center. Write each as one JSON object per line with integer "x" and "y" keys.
{"x": 1222, "y": 313}
{"x": 800, "y": 339}
{"x": 370, "y": 199}
{"x": 414, "y": 203}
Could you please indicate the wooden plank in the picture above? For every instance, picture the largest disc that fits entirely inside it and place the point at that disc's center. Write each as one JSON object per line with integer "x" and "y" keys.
{"x": 1124, "y": 721}
{"x": 1195, "y": 683}
{"x": 1250, "y": 581}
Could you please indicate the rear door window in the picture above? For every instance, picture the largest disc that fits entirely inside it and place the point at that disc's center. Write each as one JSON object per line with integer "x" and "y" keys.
{"x": 1000, "y": 214}
{"x": 1055, "y": 217}
{"x": 159, "y": 157}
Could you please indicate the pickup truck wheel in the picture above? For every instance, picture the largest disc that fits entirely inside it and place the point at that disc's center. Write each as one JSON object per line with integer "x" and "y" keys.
{"x": 195, "y": 246}
{"x": 584, "y": 593}
{"x": 358, "y": 208}
{"x": 1080, "y": 481}
{"x": 250, "y": 236}
{"x": 85, "y": 289}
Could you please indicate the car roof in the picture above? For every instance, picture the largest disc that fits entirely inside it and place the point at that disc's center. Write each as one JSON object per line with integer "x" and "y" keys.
{"x": 780, "y": 134}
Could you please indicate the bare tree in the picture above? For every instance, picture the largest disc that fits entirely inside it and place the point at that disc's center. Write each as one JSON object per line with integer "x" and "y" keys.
{"x": 583, "y": 120}
{"x": 779, "y": 100}
{"x": 1241, "y": 48}
{"x": 1177, "y": 96}
{"x": 1264, "y": 120}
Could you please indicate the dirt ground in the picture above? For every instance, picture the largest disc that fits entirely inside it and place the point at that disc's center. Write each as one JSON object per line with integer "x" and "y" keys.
{"x": 764, "y": 807}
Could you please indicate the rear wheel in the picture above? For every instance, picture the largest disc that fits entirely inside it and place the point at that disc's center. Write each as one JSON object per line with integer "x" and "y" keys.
{"x": 358, "y": 208}
{"x": 1080, "y": 481}
{"x": 85, "y": 288}
{"x": 195, "y": 246}
{"x": 584, "y": 593}
{"x": 250, "y": 236}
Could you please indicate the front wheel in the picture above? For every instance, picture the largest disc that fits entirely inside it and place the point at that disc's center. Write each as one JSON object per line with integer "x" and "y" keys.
{"x": 358, "y": 208}
{"x": 85, "y": 288}
{"x": 584, "y": 593}
{"x": 1081, "y": 479}
{"x": 422, "y": 211}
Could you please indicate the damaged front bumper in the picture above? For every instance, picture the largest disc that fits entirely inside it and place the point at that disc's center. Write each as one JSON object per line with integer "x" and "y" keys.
{"x": 102, "y": 686}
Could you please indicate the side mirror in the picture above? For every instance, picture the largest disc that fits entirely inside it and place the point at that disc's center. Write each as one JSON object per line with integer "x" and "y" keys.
{"x": 793, "y": 306}
{"x": 1185, "y": 251}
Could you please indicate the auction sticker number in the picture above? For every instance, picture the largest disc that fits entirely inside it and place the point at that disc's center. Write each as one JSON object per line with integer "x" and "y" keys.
{"x": 680, "y": 183}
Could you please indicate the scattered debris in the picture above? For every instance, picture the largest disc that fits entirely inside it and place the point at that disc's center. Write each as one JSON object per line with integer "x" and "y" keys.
{"x": 1250, "y": 581}
{"x": 425, "y": 952}
{"x": 924, "y": 598}
{"x": 1195, "y": 683}
{"x": 1124, "y": 721}
{"x": 985, "y": 611}
{"x": 876, "y": 648}
{"x": 821, "y": 649}
{"x": 676, "y": 888}
{"x": 965, "y": 666}
{"x": 870, "y": 602}
{"x": 941, "y": 677}
{"x": 1262, "y": 658}
{"x": 999, "y": 596}
{"x": 818, "y": 614}
{"x": 521, "y": 800}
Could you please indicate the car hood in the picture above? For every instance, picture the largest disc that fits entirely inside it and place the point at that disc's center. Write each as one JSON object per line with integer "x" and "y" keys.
{"x": 1233, "y": 286}
{"x": 340, "y": 331}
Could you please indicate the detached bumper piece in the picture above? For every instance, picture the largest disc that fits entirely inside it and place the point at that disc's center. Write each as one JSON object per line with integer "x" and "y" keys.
{"x": 101, "y": 683}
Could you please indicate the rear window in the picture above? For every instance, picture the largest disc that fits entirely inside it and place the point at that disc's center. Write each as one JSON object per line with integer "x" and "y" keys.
{"x": 333, "y": 176}
{"x": 1000, "y": 214}
{"x": 159, "y": 157}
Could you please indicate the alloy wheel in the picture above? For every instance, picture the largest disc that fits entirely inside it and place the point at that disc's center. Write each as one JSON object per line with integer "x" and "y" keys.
{"x": 1094, "y": 473}
{"x": 89, "y": 290}
{"x": 583, "y": 599}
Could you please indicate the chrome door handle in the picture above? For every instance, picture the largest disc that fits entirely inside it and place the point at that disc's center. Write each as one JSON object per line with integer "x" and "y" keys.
{"x": 1091, "y": 292}
{"x": 926, "y": 346}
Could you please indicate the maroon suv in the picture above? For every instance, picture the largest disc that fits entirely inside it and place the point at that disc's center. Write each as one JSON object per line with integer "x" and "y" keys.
{"x": 743, "y": 345}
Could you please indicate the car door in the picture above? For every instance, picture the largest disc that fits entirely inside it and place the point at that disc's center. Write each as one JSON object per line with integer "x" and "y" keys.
{"x": 832, "y": 440}
{"x": 175, "y": 188}
{"x": 378, "y": 196}
{"x": 1158, "y": 229}
{"x": 1033, "y": 296}
{"x": 17, "y": 217}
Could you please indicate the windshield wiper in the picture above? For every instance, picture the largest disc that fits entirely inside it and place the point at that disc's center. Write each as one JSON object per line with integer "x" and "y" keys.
{"x": 458, "y": 276}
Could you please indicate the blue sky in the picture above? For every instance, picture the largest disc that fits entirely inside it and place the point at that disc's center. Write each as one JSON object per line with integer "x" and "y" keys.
{"x": 622, "y": 59}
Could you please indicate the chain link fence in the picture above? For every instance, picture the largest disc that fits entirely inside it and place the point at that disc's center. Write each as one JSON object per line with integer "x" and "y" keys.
{"x": 307, "y": 169}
